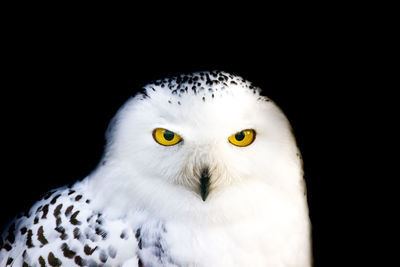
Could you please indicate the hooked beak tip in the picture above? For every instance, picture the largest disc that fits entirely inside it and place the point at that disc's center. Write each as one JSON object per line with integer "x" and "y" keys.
{"x": 204, "y": 184}
{"x": 204, "y": 188}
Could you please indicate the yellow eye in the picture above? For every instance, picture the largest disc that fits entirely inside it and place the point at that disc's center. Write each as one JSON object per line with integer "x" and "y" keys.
{"x": 165, "y": 137}
{"x": 242, "y": 138}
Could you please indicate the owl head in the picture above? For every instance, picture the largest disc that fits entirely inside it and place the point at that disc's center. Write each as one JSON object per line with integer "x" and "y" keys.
{"x": 197, "y": 138}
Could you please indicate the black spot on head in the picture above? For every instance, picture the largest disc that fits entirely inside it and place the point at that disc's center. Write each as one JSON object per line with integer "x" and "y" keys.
{"x": 40, "y": 234}
{"x": 57, "y": 210}
{"x": 209, "y": 81}
{"x": 68, "y": 253}
{"x": 42, "y": 262}
{"x": 124, "y": 235}
{"x": 36, "y": 220}
{"x": 87, "y": 201}
{"x": 79, "y": 261}
{"x": 64, "y": 236}
{"x": 45, "y": 211}
{"x": 99, "y": 221}
{"x": 54, "y": 200}
{"x": 88, "y": 250}
{"x": 204, "y": 99}
{"x": 61, "y": 230}
{"x": 143, "y": 92}
{"x": 9, "y": 261}
{"x": 137, "y": 235}
{"x": 29, "y": 243}
{"x": 69, "y": 210}
{"x": 23, "y": 230}
{"x": 77, "y": 233}
{"x": 53, "y": 261}
{"x": 58, "y": 221}
{"x": 89, "y": 218}
{"x": 73, "y": 219}
{"x": 78, "y": 197}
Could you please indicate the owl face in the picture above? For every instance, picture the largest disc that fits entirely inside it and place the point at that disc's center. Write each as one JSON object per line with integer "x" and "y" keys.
{"x": 203, "y": 137}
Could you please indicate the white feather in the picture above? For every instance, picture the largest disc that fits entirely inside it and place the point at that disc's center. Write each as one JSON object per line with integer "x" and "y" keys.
{"x": 256, "y": 212}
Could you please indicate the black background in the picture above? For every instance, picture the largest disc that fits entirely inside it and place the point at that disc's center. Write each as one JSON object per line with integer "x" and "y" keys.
{"x": 61, "y": 87}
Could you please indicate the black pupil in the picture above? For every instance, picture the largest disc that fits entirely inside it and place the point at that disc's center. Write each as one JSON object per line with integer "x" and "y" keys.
{"x": 239, "y": 136}
{"x": 168, "y": 135}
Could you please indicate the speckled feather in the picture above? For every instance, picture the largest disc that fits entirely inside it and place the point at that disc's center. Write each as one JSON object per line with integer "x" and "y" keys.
{"x": 62, "y": 228}
{"x": 205, "y": 85}
{"x": 142, "y": 206}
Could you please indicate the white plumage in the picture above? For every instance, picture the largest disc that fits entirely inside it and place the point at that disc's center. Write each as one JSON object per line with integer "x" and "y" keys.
{"x": 200, "y": 202}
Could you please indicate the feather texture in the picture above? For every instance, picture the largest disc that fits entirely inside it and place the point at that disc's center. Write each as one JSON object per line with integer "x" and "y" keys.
{"x": 200, "y": 202}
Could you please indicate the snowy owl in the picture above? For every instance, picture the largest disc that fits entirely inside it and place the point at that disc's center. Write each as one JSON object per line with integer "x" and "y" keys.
{"x": 198, "y": 170}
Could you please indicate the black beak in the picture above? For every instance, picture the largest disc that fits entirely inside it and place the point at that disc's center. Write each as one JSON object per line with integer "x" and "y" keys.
{"x": 204, "y": 183}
